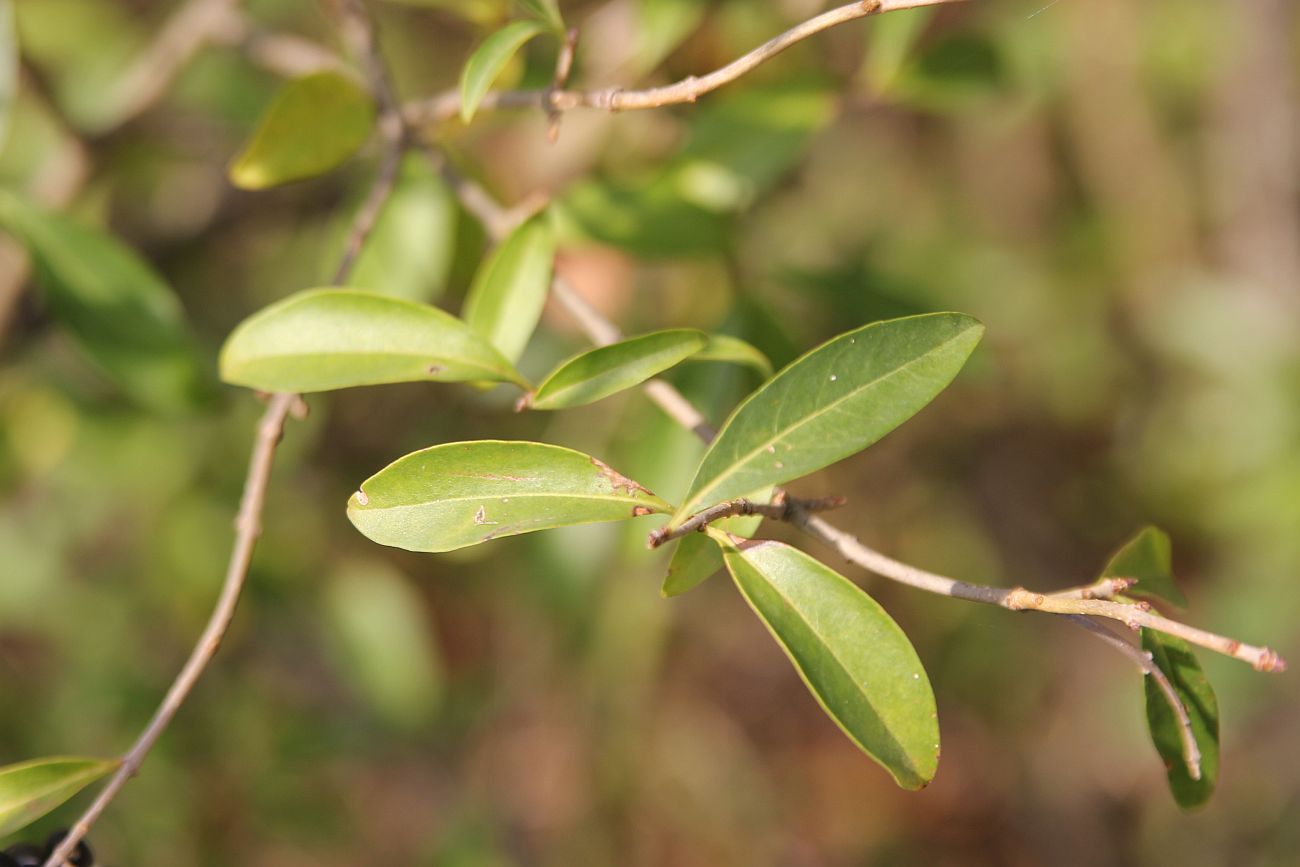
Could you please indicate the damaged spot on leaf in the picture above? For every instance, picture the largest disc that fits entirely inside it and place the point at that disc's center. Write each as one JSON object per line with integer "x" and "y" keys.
{"x": 618, "y": 481}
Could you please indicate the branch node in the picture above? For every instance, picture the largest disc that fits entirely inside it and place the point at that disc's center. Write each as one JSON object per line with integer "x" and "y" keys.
{"x": 1270, "y": 660}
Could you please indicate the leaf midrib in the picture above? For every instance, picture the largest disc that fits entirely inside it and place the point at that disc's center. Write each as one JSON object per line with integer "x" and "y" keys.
{"x": 614, "y": 498}
{"x": 748, "y": 456}
{"x": 277, "y": 356}
{"x": 562, "y": 389}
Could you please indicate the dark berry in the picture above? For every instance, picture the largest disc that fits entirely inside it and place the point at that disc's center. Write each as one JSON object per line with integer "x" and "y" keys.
{"x": 25, "y": 855}
{"x": 80, "y": 857}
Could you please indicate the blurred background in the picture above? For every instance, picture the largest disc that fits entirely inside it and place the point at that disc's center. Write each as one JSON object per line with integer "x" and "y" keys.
{"x": 1112, "y": 186}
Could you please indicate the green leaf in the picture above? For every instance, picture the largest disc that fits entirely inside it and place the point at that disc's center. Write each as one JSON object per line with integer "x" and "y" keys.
{"x": 409, "y": 253}
{"x": 661, "y": 26}
{"x": 1174, "y": 657}
{"x": 723, "y": 347}
{"x": 749, "y": 140}
{"x": 651, "y": 219}
{"x": 314, "y": 125}
{"x": 960, "y": 72}
{"x": 460, "y": 494}
{"x": 384, "y": 641}
{"x": 510, "y": 288}
{"x": 116, "y": 308}
{"x": 834, "y": 401}
{"x": 487, "y": 61}
{"x": 31, "y": 789}
{"x": 890, "y": 41}
{"x": 600, "y": 372}
{"x": 547, "y": 11}
{"x": 1146, "y": 557}
{"x": 854, "y": 658}
{"x": 694, "y": 561}
{"x": 323, "y": 339}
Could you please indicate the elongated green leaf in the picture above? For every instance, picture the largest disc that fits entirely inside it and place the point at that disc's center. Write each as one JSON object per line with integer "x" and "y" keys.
{"x": 891, "y": 42}
{"x": 314, "y": 124}
{"x": 694, "y": 561}
{"x": 323, "y": 339}
{"x": 661, "y": 26}
{"x": 852, "y": 655}
{"x": 384, "y": 641}
{"x": 510, "y": 288}
{"x": 1174, "y": 657}
{"x": 1146, "y": 557}
{"x": 116, "y": 308}
{"x": 650, "y": 219}
{"x": 409, "y": 253}
{"x": 696, "y": 558}
{"x": 598, "y": 373}
{"x": 460, "y": 494}
{"x": 487, "y": 61}
{"x": 834, "y": 401}
{"x": 723, "y": 347}
{"x": 547, "y": 11}
{"x": 31, "y": 789}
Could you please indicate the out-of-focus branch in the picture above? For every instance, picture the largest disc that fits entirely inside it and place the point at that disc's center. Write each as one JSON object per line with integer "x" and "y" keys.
{"x": 195, "y": 24}
{"x": 554, "y": 101}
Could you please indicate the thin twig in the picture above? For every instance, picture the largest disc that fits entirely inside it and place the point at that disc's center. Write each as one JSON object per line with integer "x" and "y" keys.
{"x": 247, "y": 529}
{"x": 1102, "y": 588}
{"x": 780, "y": 509}
{"x": 359, "y": 33}
{"x": 601, "y": 331}
{"x": 446, "y": 105}
{"x": 269, "y": 432}
{"x": 1143, "y": 660}
{"x": 381, "y": 190}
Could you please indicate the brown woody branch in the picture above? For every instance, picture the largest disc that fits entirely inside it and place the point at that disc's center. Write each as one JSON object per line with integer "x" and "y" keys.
{"x": 782, "y": 508}
{"x": 554, "y": 101}
{"x": 248, "y": 525}
{"x": 601, "y": 331}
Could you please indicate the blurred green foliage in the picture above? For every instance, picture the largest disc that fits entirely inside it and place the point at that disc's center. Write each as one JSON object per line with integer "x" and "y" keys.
{"x": 1108, "y": 186}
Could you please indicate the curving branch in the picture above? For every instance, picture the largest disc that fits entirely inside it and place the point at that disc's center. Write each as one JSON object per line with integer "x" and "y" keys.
{"x": 1077, "y": 602}
{"x": 1144, "y": 661}
{"x": 248, "y": 526}
{"x": 555, "y": 101}
{"x": 248, "y": 522}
